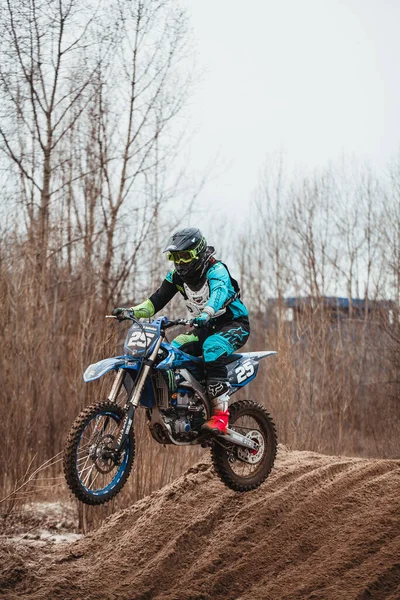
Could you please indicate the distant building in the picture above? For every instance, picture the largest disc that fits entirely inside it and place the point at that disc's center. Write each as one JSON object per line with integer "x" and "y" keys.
{"x": 291, "y": 309}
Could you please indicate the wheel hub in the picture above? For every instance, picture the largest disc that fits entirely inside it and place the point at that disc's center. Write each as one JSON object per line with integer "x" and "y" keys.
{"x": 103, "y": 455}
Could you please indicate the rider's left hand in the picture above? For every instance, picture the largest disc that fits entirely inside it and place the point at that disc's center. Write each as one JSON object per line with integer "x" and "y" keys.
{"x": 121, "y": 313}
{"x": 201, "y": 320}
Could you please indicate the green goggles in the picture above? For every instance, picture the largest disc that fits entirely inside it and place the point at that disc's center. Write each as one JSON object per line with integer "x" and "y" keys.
{"x": 184, "y": 256}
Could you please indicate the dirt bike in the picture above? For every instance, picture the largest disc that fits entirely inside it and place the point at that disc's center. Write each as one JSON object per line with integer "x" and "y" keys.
{"x": 170, "y": 385}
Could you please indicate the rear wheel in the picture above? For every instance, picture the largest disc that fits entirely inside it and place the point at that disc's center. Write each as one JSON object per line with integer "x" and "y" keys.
{"x": 240, "y": 468}
{"x": 94, "y": 472}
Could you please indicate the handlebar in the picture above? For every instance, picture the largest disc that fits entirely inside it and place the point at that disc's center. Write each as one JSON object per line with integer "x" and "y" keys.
{"x": 175, "y": 322}
{"x": 170, "y": 323}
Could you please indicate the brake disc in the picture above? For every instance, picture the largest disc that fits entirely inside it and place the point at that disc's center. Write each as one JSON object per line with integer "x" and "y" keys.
{"x": 252, "y": 456}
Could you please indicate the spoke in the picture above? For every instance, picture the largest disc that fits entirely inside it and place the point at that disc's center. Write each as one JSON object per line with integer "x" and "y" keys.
{"x": 82, "y": 458}
{"x": 116, "y": 427}
{"x": 95, "y": 477}
{"x": 84, "y": 447}
{"x": 92, "y": 438}
{"x": 85, "y": 468}
{"x": 99, "y": 426}
{"x": 88, "y": 475}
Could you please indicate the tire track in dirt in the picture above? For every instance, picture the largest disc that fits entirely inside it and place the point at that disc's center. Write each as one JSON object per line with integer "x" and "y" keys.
{"x": 320, "y": 528}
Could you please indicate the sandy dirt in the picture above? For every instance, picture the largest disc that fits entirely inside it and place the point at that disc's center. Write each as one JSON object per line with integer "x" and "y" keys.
{"x": 38, "y": 524}
{"x": 320, "y": 528}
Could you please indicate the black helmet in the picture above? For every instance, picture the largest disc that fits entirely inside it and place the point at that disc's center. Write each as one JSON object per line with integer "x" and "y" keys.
{"x": 188, "y": 249}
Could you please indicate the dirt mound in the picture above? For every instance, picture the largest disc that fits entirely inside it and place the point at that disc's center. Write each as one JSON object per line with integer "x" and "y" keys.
{"x": 320, "y": 527}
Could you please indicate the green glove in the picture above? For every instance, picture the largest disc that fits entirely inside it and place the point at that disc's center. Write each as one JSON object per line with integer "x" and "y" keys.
{"x": 144, "y": 310}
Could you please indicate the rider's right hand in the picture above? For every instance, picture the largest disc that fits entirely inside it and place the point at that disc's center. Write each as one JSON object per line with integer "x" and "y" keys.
{"x": 121, "y": 313}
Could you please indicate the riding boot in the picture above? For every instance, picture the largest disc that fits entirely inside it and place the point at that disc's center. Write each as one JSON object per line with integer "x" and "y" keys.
{"x": 218, "y": 394}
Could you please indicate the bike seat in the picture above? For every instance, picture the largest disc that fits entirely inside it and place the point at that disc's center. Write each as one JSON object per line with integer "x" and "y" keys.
{"x": 232, "y": 357}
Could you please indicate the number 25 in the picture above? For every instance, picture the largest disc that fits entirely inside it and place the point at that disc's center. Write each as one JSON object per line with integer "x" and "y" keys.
{"x": 244, "y": 372}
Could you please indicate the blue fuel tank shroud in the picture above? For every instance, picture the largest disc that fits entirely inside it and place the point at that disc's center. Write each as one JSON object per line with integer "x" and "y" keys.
{"x": 177, "y": 359}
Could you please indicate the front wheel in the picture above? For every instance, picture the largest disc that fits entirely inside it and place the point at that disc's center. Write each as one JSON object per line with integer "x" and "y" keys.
{"x": 239, "y": 468}
{"x": 94, "y": 472}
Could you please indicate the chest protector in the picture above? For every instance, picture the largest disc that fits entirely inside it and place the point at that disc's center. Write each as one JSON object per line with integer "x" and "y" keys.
{"x": 196, "y": 300}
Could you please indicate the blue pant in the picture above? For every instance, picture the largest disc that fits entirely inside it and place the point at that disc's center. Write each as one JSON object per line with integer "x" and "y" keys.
{"x": 215, "y": 343}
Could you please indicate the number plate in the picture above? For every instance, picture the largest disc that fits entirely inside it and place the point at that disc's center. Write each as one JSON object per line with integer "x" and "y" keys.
{"x": 240, "y": 372}
{"x": 141, "y": 337}
{"x": 244, "y": 371}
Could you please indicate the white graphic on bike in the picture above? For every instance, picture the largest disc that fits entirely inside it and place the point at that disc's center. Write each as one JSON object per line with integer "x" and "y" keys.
{"x": 244, "y": 371}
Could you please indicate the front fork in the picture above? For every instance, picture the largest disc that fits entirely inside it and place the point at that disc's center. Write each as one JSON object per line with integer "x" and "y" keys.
{"x": 112, "y": 396}
{"x": 134, "y": 399}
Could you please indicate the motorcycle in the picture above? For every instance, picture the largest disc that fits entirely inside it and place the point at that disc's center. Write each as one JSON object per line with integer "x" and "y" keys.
{"x": 170, "y": 385}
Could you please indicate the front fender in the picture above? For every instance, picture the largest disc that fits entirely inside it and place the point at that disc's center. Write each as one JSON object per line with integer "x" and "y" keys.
{"x": 102, "y": 367}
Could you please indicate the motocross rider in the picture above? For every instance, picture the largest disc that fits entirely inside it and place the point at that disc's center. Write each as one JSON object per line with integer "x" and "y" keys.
{"x": 219, "y": 316}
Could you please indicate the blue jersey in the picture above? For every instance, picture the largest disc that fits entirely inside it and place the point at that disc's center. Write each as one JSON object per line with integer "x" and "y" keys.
{"x": 217, "y": 290}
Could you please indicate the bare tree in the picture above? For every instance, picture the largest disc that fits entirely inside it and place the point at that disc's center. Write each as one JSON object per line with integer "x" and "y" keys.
{"x": 138, "y": 98}
{"x": 89, "y": 91}
{"x": 45, "y": 85}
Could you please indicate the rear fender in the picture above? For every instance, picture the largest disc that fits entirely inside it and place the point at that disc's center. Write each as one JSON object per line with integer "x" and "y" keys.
{"x": 244, "y": 370}
{"x": 97, "y": 370}
{"x": 258, "y": 355}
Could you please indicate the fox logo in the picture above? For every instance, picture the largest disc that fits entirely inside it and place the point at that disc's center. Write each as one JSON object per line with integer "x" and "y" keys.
{"x": 215, "y": 389}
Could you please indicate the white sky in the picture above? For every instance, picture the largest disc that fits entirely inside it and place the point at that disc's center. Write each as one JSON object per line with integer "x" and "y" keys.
{"x": 316, "y": 79}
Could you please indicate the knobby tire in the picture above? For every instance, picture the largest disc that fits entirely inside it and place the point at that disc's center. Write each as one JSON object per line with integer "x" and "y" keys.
{"x": 220, "y": 454}
{"x": 70, "y": 453}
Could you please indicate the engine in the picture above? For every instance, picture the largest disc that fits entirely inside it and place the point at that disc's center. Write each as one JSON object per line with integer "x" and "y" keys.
{"x": 185, "y": 413}
{"x": 180, "y": 412}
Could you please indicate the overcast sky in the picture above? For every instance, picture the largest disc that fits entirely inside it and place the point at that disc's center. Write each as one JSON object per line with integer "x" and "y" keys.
{"x": 314, "y": 78}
